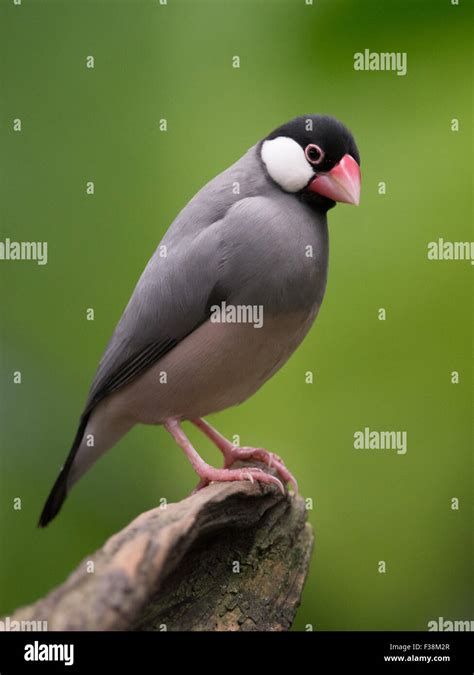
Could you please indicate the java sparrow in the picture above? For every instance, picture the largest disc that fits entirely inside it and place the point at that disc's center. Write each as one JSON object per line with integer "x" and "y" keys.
{"x": 254, "y": 238}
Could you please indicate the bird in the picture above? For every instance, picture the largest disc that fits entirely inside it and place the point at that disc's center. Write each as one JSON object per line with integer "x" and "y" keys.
{"x": 228, "y": 295}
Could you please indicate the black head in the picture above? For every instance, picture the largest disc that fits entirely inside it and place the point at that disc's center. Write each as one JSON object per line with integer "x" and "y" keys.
{"x": 315, "y": 157}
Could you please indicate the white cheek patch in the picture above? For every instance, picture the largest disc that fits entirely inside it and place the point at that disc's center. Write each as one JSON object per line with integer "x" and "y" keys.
{"x": 286, "y": 163}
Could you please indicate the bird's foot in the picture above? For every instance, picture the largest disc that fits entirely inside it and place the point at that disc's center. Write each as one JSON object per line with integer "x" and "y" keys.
{"x": 207, "y": 474}
{"x": 272, "y": 460}
{"x": 234, "y": 453}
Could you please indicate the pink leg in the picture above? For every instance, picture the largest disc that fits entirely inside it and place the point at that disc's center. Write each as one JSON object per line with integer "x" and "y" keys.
{"x": 208, "y": 473}
{"x": 232, "y": 453}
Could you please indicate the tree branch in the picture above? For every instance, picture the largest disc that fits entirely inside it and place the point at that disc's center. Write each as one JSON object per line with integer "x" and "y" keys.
{"x": 234, "y": 556}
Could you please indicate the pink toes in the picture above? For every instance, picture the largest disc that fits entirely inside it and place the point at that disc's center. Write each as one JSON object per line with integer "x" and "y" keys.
{"x": 231, "y": 454}
{"x": 251, "y": 474}
{"x": 269, "y": 458}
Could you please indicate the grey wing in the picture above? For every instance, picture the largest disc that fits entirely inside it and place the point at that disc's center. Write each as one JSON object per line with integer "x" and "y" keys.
{"x": 244, "y": 256}
{"x": 171, "y": 300}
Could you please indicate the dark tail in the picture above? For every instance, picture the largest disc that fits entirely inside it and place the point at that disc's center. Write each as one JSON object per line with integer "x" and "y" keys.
{"x": 59, "y": 492}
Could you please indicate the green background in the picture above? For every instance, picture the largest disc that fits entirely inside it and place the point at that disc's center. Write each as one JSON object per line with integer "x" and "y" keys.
{"x": 79, "y": 124}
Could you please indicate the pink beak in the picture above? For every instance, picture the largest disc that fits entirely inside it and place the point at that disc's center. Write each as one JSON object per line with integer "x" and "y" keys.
{"x": 341, "y": 184}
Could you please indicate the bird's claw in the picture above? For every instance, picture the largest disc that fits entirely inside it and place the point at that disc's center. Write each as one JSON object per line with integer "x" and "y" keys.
{"x": 272, "y": 460}
{"x": 251, "y": 474}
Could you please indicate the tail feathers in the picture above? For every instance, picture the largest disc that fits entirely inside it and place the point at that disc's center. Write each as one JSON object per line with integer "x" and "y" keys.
{"x": 55, "y": 500}
{"x": 59, "y": 492}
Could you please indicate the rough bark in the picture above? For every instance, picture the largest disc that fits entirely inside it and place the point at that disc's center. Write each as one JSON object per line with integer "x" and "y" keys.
{"x": 234, "y": 556}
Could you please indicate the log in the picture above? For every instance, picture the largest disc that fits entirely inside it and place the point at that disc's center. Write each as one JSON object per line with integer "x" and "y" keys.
{"x": 233, "y": 556}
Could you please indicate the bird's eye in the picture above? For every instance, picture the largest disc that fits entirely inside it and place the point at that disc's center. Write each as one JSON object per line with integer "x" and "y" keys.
{"x": 314, "y": 154}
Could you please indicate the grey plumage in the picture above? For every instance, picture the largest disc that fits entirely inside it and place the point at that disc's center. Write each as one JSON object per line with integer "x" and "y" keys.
{"x": 218, "y": 248}
{"x": 242, "y": 240}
